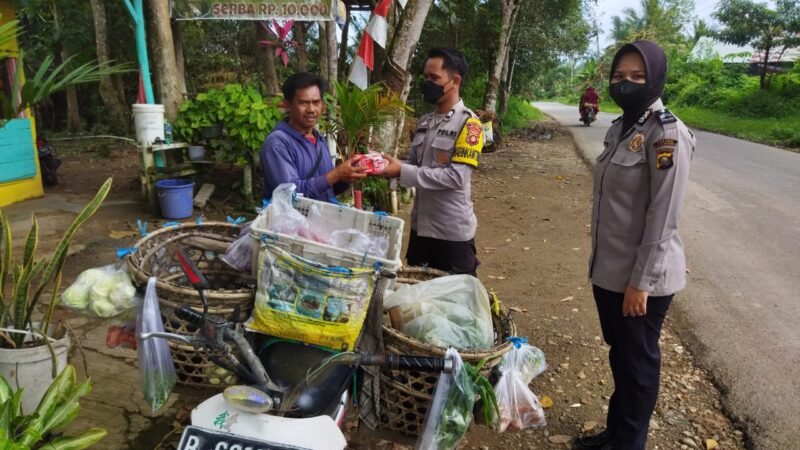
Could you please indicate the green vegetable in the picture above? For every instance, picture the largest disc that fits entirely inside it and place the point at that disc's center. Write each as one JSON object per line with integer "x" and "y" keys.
{"x": 77, "y": 295}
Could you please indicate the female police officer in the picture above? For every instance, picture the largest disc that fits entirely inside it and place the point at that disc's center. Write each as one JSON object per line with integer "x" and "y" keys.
{"x": 637, "y": 261}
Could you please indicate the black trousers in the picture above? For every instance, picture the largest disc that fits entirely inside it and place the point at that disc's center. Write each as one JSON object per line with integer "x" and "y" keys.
{"x": 450, "y": 256}
{"x": 635, "y": 360}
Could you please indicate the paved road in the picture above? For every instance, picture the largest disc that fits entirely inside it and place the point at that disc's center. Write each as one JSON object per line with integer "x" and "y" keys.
{"x": 741, "y": 310}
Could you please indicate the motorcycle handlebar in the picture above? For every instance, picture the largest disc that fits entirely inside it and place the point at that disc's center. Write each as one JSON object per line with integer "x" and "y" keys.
{"x": 403, "y": 362}
{"x": 188, "y": 314}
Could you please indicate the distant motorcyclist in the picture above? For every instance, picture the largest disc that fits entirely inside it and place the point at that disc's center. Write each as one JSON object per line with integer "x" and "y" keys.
{"x": 589, "y": 99}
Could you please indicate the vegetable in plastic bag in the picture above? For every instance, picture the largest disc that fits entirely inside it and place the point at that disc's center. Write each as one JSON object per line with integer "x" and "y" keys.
{"x": 446, "y": 311}
{"x": 519, "y": 406}
{"x": 105, "y": 292}
{"x": 450, "y": 412}
{"x": 239, "y": 255}
{"x": 360, "y": 242}
{"x": 76, "y": 297}
{"x": 156, "y": 368}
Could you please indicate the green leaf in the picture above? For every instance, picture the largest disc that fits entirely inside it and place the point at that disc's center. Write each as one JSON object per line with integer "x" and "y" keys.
{"x": 31, "y": 242}
{"x": 56, "y": 262}
{"x": 85, "y": 440}
{"x": 5, "y": 390}
{"x": 58, "y": 391}
{"x": 64, "y": 414}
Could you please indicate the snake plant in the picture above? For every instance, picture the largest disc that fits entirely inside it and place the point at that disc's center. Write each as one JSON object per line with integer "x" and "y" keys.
{"x": 23, "y": 282}
{"x": 58, "y": 408}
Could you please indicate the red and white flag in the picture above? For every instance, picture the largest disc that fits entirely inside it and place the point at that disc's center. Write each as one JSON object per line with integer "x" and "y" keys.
{"x": 375, "y": 33}
{"x": 363, "y": 63}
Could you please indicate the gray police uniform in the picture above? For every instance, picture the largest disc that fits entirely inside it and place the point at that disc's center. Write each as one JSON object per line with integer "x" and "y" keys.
{"x": 639, "y": 186}
{"x": 640, "y": 182}
{"x": 444, "y": 152}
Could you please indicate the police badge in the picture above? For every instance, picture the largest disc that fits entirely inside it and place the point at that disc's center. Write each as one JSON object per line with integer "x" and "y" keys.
{"x": 636, "y": 143}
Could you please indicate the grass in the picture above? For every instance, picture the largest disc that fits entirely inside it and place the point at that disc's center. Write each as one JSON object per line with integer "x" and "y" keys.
{"x": 520, "y": 114}
{"x": 782, "y": 132}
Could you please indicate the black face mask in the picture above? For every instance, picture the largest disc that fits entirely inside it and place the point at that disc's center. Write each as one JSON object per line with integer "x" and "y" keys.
{"x": 629, "y": 96}
{"x": 432, "y": 92}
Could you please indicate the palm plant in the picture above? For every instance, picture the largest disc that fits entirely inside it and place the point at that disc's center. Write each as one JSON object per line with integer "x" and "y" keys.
{"x": 359, "y": 112}
{"x": 58, "y": 408}
{"x": 18, "y": 299}
{"x": 47, "y": 80}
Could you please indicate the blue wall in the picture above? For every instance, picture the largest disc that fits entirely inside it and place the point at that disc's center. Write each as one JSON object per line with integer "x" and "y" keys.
{"x": 17, "y": 151}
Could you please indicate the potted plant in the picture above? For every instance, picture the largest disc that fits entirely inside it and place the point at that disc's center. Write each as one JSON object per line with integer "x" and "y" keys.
{"x": 58, "y": 408}
{"x": 358, "y": 113}
{"x": 32, "y": 350}
{"x": 245, "y": 119}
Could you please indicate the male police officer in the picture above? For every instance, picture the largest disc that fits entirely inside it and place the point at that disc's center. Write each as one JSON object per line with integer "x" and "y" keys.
{"x": 444, "y": 152}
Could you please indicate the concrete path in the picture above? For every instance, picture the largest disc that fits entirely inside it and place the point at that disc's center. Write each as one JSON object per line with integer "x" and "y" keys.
{"x": 741, "y": 310}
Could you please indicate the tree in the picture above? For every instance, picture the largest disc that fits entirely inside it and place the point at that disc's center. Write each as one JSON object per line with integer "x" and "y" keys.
{"x": 509, "y": 10}
{"x": 746, "y": 22}
{"x": 108, "y": 93}
{"x": 662, "y": 21}
{"x": 164, "y": 61}
{"x": 73, "y": 114}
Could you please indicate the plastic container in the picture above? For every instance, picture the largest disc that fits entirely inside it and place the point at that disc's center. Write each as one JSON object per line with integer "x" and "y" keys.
{"x": 197, "y": 152}
{"x": 175, "y": 198}
{"x": 340, "y": 218}
{"x": 149, "y": 123}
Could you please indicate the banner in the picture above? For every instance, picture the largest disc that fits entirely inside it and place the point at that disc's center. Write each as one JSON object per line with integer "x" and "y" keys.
{"x": 313, "y": 10}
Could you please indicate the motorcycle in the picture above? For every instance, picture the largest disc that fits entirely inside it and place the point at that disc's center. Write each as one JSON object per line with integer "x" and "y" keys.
{"x": 588, "y": 114}
{"x": 295, "y": 396}
{"x": 47, "y": 161}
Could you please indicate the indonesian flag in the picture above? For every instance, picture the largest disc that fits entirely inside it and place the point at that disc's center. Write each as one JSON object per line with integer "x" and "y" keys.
{"x": 364, "y": 62}
{"x": 377, "y": 26}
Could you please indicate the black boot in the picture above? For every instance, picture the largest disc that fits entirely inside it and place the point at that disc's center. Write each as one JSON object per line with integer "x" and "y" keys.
{"x": 595, "y": 441}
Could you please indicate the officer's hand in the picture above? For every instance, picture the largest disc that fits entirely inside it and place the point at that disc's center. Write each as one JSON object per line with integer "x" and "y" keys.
{"x": 347, "y": 172}
{"x": 392, "y": 169}
{"x": 635, "y": 302}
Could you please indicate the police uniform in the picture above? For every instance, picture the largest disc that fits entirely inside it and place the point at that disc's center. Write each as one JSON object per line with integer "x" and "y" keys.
{"x": 640, "y": 182}
{"x": 444, "y": 152}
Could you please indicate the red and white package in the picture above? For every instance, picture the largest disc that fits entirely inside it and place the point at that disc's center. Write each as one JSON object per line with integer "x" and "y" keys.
{"x": 373, "y": 161}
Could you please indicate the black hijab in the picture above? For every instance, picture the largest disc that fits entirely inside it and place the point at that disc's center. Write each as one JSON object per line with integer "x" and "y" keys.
{"x": 655, "y": 64}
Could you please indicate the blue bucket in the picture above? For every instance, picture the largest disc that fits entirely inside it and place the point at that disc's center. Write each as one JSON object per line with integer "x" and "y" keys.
{"x": 175, "y": 198}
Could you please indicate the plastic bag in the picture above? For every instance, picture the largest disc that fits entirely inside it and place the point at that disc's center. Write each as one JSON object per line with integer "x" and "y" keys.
{"x": 524, "y": 358}
{"x": 156, "y": 368}
{"x": 309, "y": 302}
{"x": 239, "y": 255}
{"x": 519, "y": 406}
{"x": 451, "y": 408}
{"x": 360, "y": 242}
{"x": 446, "y": 311}
{"x": 283, "y": 217}
{"x": 106, "y": 292}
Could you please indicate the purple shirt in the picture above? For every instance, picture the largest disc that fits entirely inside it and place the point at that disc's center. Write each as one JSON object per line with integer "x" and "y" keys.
{"x": 288, "y": 157}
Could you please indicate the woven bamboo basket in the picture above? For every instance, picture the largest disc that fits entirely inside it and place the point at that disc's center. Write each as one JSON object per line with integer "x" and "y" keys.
{"x": 231, "y": 296}
{"x": 406, "y": 395}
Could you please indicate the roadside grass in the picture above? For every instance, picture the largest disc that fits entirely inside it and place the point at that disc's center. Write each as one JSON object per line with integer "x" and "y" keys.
{"x": 782, "y": 132}
{"x": 520, "y": 113}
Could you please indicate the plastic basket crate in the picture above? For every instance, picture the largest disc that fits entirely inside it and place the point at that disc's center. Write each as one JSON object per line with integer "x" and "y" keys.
{"x": 340, "y": 218}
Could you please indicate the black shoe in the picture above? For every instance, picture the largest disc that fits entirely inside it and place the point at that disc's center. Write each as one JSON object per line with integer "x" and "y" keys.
{"x": 597, "y": 441}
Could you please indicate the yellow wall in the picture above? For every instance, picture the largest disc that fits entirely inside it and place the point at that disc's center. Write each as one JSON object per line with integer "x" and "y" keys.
{"x": 18, "y": 190}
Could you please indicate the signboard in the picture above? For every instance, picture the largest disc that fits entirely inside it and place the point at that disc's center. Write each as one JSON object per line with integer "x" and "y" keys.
{"x": 314, "y": 10}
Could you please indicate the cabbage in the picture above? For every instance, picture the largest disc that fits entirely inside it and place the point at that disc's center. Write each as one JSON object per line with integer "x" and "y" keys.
{"x": 104, "y": 308}
{"x": 77, "y": 295}
{"x": 112, "y": 295}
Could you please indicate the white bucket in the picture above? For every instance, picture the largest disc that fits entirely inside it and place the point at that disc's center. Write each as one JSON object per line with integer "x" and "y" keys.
{"x": 149, "y": 122}
{"x": 32, "y": 369}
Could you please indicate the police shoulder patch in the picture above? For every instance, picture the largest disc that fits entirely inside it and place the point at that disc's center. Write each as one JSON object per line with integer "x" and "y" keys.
{"x": 665, "y": 116}
{"x": 469, "y": 143}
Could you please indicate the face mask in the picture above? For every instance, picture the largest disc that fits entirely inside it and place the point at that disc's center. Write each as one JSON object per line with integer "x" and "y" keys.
{"x": 432, "y": 92}
{"x": 628, "y": 95}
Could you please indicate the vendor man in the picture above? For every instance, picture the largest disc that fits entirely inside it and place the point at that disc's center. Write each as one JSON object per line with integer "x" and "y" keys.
{"x": 295, "y": 152}
{"x": 444, "y": 152}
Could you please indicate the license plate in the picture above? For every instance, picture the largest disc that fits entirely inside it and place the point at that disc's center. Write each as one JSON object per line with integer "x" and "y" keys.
{"x": 195, "y": 438}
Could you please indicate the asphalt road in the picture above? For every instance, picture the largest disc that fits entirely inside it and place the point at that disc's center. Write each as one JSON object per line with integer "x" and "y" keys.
{"x": 740, "y": 312}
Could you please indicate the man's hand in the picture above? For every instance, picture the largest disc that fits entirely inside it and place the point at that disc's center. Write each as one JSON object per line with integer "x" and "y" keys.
{"x": 635, "y": 302}
{"x": 347, "y": 172}
{"x": 392, "y": 169}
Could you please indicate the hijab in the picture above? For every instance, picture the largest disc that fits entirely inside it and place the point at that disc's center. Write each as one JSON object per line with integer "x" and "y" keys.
{"x": 655, "y": 63}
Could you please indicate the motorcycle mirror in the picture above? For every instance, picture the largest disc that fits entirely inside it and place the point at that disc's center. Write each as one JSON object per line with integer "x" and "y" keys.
{"x": 248, "y": 399}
